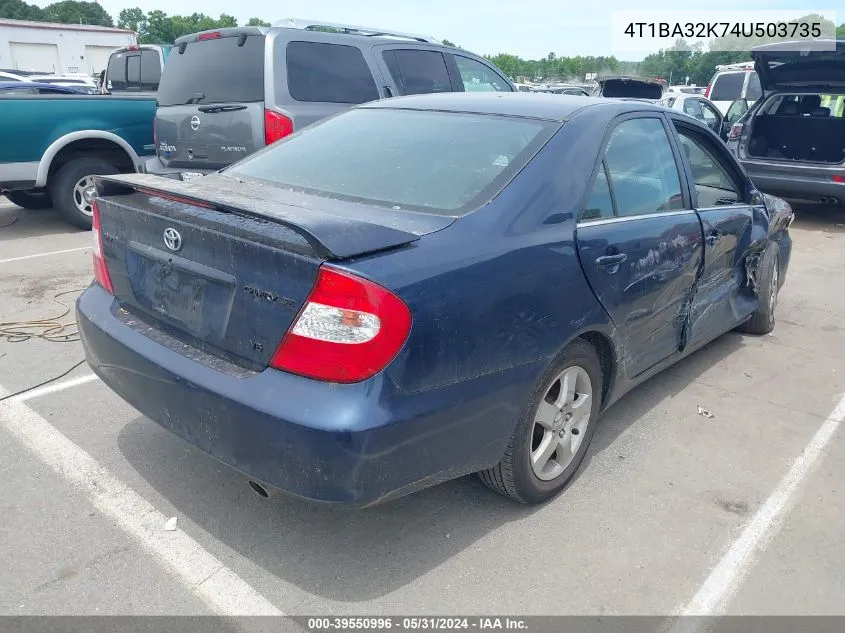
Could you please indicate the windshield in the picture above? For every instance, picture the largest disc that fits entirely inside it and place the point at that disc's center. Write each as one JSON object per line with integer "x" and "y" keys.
{"x": 440, "y": 162}
{"x": 214, "y": 71}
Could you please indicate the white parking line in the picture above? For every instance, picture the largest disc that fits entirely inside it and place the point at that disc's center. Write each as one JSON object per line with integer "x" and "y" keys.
{"x": 221, "y": 589}
{"x": 67, "y": 250}
{"x": 58, "y": 386}
{"x": 716, "y": 592}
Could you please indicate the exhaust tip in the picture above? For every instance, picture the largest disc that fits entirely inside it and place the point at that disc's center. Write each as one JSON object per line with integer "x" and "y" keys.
{"x": 260, "y": 490}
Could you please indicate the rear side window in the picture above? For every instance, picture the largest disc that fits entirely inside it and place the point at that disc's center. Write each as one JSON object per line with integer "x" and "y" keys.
{"x": 642, "y": 168}
{"x": 418, "y": 71}
{"x": 438, "y": 162}
{"x": 329, "y": 73}
{"x": 214, "y": 71}
{"x": 478, "y": 78}
{"x": 727, "y": 87}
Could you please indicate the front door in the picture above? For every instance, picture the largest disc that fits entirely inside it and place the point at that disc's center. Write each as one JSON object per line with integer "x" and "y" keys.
{"x": 730, "y": 225}
{"x": 640, "y": 242}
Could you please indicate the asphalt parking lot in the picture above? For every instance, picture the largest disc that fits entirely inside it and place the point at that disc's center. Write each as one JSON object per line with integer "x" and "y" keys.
{"x": 673, "y": 511}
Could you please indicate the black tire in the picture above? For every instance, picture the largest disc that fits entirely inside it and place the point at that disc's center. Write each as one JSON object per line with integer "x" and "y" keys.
{"x": 514, "y": 476}
{"x": 32, "y": 200}
{"x": 768, "y": 275}
{"x": 66, "y": 179}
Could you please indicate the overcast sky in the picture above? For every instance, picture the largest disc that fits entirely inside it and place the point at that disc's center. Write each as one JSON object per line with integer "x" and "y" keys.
{"x": 528, "y": 28}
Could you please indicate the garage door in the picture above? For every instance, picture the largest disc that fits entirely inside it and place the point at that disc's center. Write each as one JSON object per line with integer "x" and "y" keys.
{"x": 42, "y": 57}
{"x": 96, "y": 58}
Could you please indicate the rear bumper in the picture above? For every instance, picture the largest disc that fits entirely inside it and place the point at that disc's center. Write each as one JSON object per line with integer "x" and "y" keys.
{"x": 155, "y": 167}
{"x": 795, "y": 184}
{"x": 354, "y": 444}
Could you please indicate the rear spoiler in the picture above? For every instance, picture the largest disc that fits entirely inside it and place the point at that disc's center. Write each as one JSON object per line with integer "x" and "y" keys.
{"x": 330, "y": 236}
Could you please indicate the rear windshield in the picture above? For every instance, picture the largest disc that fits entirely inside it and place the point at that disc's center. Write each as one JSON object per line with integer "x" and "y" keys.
{"x": 631, "y": 89}
{"x": 214, "y": 71}
{"x": 438, "y": 162}
{"x": 134, "y": 71}
{"x": 727, "y": 86}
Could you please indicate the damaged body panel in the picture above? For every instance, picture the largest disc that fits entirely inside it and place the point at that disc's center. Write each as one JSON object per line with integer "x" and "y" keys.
{"x": 559, "y": 222}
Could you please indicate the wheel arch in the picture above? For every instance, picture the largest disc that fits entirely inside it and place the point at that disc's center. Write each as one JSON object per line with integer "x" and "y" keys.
{"x": 95, "y": 142}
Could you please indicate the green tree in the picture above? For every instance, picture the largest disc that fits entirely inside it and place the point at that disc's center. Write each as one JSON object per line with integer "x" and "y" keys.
{"x": 74, "y": 12}
{"x": 20, "y": 10}
{"x": 840, "y": 30}
{"x": 135, "y": 20}
{"x": 448, "y": 43}
{"x": 257, "y": 22}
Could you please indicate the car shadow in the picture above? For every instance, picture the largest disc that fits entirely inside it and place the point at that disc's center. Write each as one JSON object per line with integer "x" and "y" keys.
{"x": 17, "y": 223}
{"x": 819, "y": 217}
{"x": 350, "y": 555}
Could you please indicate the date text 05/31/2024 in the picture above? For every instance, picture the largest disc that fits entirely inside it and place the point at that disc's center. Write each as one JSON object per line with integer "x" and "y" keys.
{"x": 414, "y": 623}
{"x": 801, "y": 30}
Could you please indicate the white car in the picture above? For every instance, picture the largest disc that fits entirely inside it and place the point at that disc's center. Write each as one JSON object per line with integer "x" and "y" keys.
{"x": 4, "y": 76}
{"x": 82, "y": 83}
{"x": 697, "y": 106}
{"x": 732, "y": 82}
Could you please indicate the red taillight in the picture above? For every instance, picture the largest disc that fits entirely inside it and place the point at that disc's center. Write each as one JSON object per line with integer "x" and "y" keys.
{"x": 838, "y": 178}
{"x": 101, "y": 273}
{"x": 133, "y": 48}
{"x": 276, "y": 126}
{"x": 215, "y": 35}
{"x": 348, "y": 330}
{"x": 707, "y": 92}
{"x": 736, "y": 131}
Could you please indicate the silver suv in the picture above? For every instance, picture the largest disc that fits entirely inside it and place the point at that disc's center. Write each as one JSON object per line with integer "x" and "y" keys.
{"x": 227, "y": 93}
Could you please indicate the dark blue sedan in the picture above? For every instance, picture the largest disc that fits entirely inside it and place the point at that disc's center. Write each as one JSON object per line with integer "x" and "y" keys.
{"x": 426, "y": 287}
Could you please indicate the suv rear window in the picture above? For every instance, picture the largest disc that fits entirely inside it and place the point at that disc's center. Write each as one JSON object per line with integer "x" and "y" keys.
{"x": 727, "y": 86}
{"x": 329, "y": 73}
{"x": 439, "y": 162}
{"x": 214, "y": 71}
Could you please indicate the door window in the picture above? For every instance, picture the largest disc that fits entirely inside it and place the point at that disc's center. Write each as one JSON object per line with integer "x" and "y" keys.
{"x": 329, "y": 73}
{"x": 693, "y": 108}
{"x": 753, "y": 90}
{"x": 714, "y": 185}
{"x": 642, "y": 168}
{"x": 418, "y": 71}
{"x": 710, "y": 114}
{"x": 479, "y": 78}
{"x": 116, "y": 72}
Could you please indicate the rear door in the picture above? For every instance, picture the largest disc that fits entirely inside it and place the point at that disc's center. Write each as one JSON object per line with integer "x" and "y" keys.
{"x": 721, "y": 195}
{"x": 211, "y": 100}
{"x": 640, "y": 241}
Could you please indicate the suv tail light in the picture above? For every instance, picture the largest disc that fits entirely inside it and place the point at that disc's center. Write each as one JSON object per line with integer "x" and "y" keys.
{"x": 276, "y": 126}
{"x": 736, "y": 131}
{"x": 348, "y": 330}
{"x": 101, "y": 273}
{"x": 214, "y": 35}
{"x": 707, "y": 91}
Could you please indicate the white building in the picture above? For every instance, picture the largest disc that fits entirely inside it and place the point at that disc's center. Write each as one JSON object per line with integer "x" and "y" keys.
{"x": 59, "y": 48}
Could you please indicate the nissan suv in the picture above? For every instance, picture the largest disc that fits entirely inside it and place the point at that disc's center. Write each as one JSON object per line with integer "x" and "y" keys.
{"x": 227, "y": 93}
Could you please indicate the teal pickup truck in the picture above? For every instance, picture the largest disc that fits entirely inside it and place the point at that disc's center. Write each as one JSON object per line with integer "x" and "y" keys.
{"x": 51, "y": 146}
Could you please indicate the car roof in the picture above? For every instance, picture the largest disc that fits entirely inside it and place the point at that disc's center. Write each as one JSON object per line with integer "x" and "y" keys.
{"x": 535, "y": 105}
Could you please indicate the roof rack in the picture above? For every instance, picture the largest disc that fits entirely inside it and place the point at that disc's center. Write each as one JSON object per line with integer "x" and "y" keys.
{"x": 350, "y": 29}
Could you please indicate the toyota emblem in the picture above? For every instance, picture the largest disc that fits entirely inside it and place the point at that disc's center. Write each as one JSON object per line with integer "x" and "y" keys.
{"x": 172, "y": 239}
{"x": 195, "y": 123}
